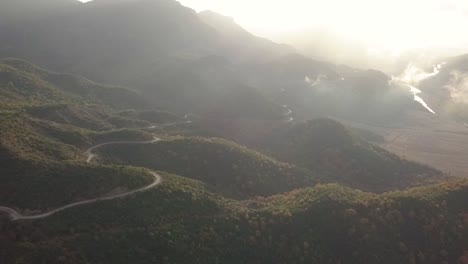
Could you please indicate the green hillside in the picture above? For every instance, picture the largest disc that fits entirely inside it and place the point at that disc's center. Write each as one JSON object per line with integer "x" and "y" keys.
{"x": 157, "y": 46}
{"x": 326, "y": 145}
{"x": 39, "y": 186}
{"x": 26, "y": 84}
{"x": 47, "y": 120}
{"x": 26, "y": 138}
{"x": 51, "y": 115}
{"x": 235, "y": 170}
{"x": 229, "y": 204}
{"x": 182, "y": 221}
{"x": 153, "y": 116}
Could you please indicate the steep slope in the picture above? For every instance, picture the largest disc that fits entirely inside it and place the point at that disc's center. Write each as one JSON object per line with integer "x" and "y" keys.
{"x": 183, "y": 221}
{"x": 326, "y": 145}
{"x": 19, "y": 11}
{"x": 99, "y": 31}
{"x": 206, "y": 86}
{"x": 27, "y": 184}
{"x": 157, "y": 46}
{"x": 43, "y": 166}
{"x": 46, "y": 121}
{"x": 184, "y": 61}
{"x": 24, "y": 83}
{"x": 154, "y": 116}
{"x": 234, "y": 170}
{"x": 50, "y": 119}
{"x": 25, "y": 138}
{"x": 317, "y": 89}
{"x": 239, "y": 43}
{"x": 63, "y": 98}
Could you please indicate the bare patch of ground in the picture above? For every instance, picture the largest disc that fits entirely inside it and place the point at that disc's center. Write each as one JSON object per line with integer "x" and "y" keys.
{"x": 430, "y": 140}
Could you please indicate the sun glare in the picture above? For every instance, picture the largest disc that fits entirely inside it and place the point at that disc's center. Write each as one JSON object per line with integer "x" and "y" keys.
{"x": 391, "y": 25}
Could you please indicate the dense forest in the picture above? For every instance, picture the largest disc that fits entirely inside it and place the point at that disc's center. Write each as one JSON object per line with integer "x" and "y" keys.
{"x": 184, "y": 221}
{"x": 207, "y": 145}
{"x": 230, "y": 204}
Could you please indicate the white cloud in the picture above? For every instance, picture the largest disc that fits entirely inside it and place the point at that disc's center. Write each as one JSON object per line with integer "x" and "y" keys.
{"x": 458, "y": 87}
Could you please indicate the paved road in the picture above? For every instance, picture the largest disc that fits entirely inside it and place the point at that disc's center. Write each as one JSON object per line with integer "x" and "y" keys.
{"x": 91, "y": 155}
{"x": 15, "y": 215}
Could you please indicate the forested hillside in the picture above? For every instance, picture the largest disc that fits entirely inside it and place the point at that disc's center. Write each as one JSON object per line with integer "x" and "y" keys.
{"x": 326, "y": 145}
{"x": 47, "y": 120}
{"x": 233, "y": 169}
{"x": 208, "y": 144}
{"x": 183, "y": 221}
{"x": 185, "y": 61}
{"x": 245, "y": 207}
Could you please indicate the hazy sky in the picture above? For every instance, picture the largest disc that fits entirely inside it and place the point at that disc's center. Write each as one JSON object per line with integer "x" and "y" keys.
{"x": 394, "y": 25}
{"x": 390, "y": 26}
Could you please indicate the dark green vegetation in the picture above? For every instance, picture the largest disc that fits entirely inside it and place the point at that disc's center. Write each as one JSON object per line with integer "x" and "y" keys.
{"x": 245, "y": 207}
{"x": 47, "y": 120}
{"x": 183, "y": 221}
{"x": 26, "y": 84}
{"x": 229, "y": 204}
{"x": 326, "y": 145}
{"x": 42, "y": 185}
{"x": 153, "y": 116}
{"x": 235, "y": 170}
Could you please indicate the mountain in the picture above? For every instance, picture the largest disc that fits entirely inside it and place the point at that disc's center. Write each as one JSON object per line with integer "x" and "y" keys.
{"x": 227, "y": 170}
{"x": 70, "y": 182}
{"x": 239, "y": 205}
{"x": 19, "y": 11}
{"x": 189, "y": 62}
{"x": 316, "y": 89}
{"x": 242, "y": 43}
{"x": 157, "y": 46}
{"x": 99, "y": 36}
{"x": 46, "y": 120}
{"x": 24, "y": 83}
{"x": 326, "y": 145}
{"x": 234, "y": 170}
{"x": 209, "y": 87}
{"x": 184, "y": 221}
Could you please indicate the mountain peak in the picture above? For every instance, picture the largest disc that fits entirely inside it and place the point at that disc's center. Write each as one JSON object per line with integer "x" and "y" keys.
{"x": 214, "y": 15}
{"x": 235, "y": 34}
{"x": 222, "y": 23}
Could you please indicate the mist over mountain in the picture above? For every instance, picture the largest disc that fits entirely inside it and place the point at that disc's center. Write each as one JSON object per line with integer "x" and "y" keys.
{"x": 448, "y": 88}
{"x": 238, "y": 39}
{"x": 168, "y": 50}
{"x": 141, "y": 131}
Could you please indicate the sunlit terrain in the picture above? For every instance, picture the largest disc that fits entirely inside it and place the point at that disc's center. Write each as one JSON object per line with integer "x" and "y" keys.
{"x": 381, "y": 32}
{"x": 219, "y": 131}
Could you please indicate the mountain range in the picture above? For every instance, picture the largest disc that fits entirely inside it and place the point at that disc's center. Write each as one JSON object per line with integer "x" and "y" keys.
{"x": 140, "y": 131}
{"x": 169, "y": 49}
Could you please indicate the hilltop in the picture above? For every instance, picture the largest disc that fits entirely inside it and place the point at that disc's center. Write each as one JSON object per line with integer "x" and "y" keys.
{"x": 215, "y": 114}
{"x": 326, "y": 145}
{"x": 47, "y": 120}
{"x": 234, "y": 170}
{"x": 178, "y": 59}
{"x": 185, "y": 221}
{"x": 27, "y": 84}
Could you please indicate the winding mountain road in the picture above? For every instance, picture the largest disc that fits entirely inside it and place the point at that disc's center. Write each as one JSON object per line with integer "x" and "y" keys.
{"x": 91, "y": 155}
{"x": 15, "y": 215}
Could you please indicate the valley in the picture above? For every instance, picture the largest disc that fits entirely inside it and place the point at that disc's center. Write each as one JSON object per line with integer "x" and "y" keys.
{"x": 141, "y": 131}
{"x": 431, "y": 141}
